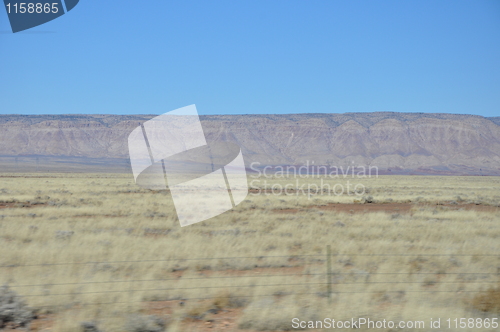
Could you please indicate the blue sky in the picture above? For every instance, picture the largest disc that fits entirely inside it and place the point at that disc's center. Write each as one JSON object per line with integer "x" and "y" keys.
{"x": 251, "y": 57}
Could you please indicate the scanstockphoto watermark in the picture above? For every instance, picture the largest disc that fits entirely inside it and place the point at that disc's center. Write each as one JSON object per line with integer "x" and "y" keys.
{"x": 27, "y": 14}
{"x": 360, "y": 323}
{"x": 310, "y": 179}
{"x": 205, "y": 178}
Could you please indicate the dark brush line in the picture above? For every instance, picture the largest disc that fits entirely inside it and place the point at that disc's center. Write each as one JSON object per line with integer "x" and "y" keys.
{"x": 272, "y": 295}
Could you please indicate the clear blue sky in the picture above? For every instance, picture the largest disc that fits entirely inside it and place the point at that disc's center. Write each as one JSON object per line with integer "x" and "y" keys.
{"x": 239, "y": 57}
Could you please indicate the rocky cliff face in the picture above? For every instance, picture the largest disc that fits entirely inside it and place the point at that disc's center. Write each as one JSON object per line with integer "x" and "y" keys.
{"x": 394, "y": 142}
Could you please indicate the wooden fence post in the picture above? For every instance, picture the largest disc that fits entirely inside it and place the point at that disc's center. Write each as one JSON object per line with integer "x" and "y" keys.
{"x": 329, "y": 272}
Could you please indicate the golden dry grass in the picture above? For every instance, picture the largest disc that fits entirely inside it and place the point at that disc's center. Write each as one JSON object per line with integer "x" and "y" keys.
{"x": 97, "y": 247}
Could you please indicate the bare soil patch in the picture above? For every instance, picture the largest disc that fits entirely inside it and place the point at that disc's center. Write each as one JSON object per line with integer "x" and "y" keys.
{"x": 291, "y": 270}
{"x": 217, "y": 320}
{"x": 389, "y": 207}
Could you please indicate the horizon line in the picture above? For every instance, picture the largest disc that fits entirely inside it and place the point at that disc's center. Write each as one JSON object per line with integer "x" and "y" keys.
{"x": 251, "y": 114}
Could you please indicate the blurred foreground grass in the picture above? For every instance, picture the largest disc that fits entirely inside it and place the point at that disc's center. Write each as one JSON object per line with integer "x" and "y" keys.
{"x": 95, "y": 247}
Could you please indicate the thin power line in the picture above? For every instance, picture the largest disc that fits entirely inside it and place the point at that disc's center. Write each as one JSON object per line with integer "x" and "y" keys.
{"x": 248, "y": 276}
{"x": 248, "y": 257}
{"x": 241, "y": 286}
{"x": 156, "y": 260}
{"x": 173, "y": 288}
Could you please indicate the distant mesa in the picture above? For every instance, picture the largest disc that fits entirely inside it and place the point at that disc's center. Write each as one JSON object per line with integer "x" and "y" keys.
{"x": 397, "y": 143}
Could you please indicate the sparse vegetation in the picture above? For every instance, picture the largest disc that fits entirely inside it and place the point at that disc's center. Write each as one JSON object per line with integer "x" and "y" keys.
{"x": 89, "y": 327}
{"x": 13, "y": 310}
{"x": 145, "y": 323}
{"x": 488, "y": 301}
{"x": 96, "y": 248}
{"x": 271, "y": 315}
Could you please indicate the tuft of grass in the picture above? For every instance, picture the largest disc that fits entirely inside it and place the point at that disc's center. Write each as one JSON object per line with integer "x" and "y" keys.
{"x": 196, "y": 310}
{"x": 222, "y": 300}
{"x": 145, "y": 323}
{"x": 488, "y": 301}
{"x": 273, "y": 315}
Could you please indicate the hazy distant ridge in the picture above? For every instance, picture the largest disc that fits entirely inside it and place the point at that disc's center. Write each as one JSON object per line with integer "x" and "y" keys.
{"x": 400, "y": 142}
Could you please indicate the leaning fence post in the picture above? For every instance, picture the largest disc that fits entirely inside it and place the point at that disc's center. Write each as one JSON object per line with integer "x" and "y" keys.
{"x": 329, "y": 272}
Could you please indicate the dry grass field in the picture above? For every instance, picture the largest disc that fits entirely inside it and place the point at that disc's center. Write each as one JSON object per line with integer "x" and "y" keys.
{"x": 97, "y": 248}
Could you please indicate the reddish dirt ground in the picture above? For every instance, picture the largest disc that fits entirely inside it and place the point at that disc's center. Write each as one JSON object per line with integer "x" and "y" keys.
{"x": 257, "y": 271}
{"x": 223, "y": 320}
{"x": 389, "y": 207}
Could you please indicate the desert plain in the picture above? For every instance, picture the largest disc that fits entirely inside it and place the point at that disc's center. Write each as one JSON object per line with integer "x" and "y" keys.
{"x": 96, "y": 248}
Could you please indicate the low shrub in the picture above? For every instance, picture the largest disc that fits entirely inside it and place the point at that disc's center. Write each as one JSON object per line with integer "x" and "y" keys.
{"x": 89, "y": 327}
{"x": 145, "y": 323}
{"x": 13, "y": 311}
